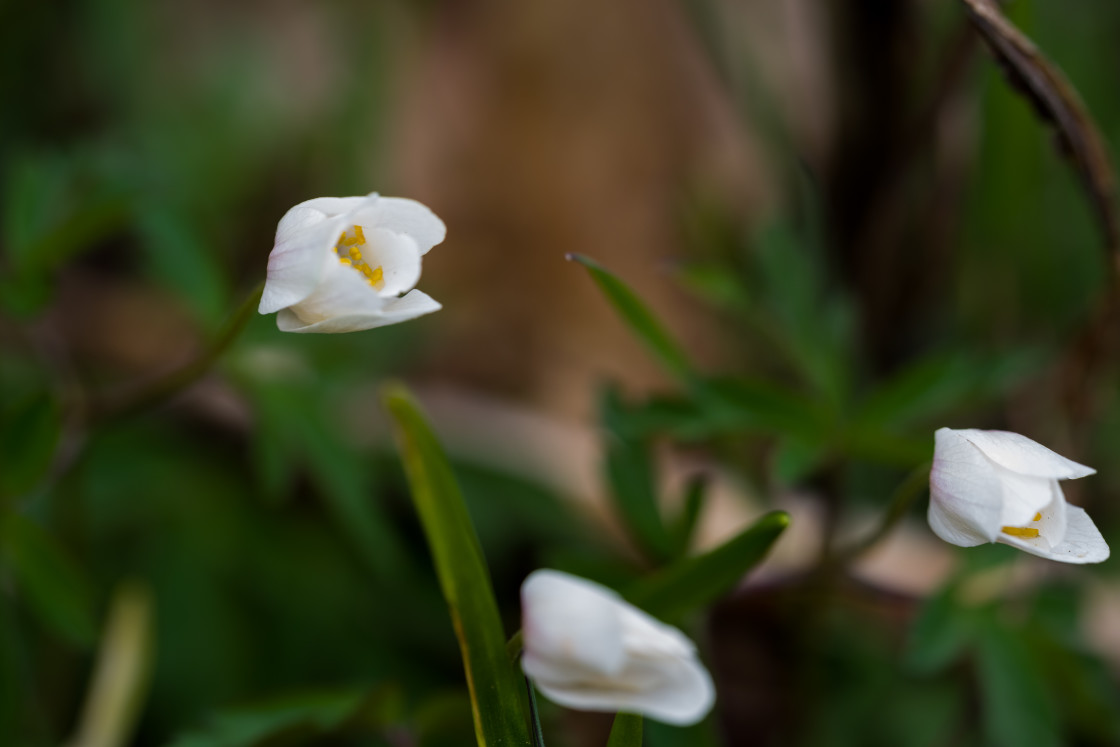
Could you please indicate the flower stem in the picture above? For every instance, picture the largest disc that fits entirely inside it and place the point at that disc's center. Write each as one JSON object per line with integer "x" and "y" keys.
{"x": 538, "y": 734}
{"x": 904, "y": 496}
{"x": 164, "y": 388}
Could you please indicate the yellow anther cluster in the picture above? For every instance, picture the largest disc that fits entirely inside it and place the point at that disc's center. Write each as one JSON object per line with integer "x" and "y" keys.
{"x": 1028, "y": 532}
{"x": 350, "y": 241}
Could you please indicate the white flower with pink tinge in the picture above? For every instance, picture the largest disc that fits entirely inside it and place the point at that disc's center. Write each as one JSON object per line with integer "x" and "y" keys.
{"x": 343, "y": 264}
{"x": 586, "y": 648}
{"x": 996, "y": 486}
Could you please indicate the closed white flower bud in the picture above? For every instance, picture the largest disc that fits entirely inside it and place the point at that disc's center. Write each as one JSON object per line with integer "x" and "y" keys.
{"x": 341, "y": 264}
{"x": 586, "y": 648}
{"x": 996, "y": 486}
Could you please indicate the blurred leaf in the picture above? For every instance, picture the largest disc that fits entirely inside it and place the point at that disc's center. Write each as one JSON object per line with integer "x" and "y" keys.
{"x": 933, "y": 386}
{"x": 939, "y": 634}
{"x": 811, "y": 324}
{"x": 311, "y": 716}
{"x": 639, "y": 318}
{"x": 630, "y": 472}
{"x": 717, "y": 284}
{"x": 755, "y": 404}
{"x": 52, "y": 211}
{"x": 1055, "y": 100}
{"x": 692, "y": 583}
{"x": 29, "y": 433}
{"x": 293, "y": 436}
{"x": 1017, "y": 708}
{"x": 55, "y": 588}
{"x": 695, "y": 498}
{"x": 181, "y": 257}
{"x": 494, "y": 684}
{"x": 796, "y": 457}
{"x": 627, "y": 731}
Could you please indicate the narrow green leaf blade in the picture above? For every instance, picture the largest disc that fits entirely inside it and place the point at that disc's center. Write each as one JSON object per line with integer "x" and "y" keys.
{"x": 631, "y": 475}
{"x": 694, "y": 582}
{"x": 494, "y": 684}
{"x": 627, "y": 731}
{"x": 639, "y": 318}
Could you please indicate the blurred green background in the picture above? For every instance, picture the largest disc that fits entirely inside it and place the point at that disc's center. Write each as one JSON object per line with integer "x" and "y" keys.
{"x": 859, "y": 231}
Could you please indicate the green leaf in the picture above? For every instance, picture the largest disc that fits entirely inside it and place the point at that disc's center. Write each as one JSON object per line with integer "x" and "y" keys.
{"x": 639, "y": 318}
{"x": 28, "y": 435}
{"x": 495, "y": 685}
{"x": 627, "y": 731}
{"x": 757, "y": 405}
{"x": 938, "y": 384}
{"x": 940, "y": 633}
{"x": 311, "y": 715}
{"x": 630, "y": 472}
{"x": 55, "y": 588}
{"x": 695, "y": 498}
{"x": 796, "y": 457}
{"x": 695, "y": 582}
{"x": 1017, "y": 709}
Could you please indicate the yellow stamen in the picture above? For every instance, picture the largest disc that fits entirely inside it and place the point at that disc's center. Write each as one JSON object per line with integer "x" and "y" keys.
{"x": 1020, "y": 531}
{"x": 357, "y": 239}
{"x": 374, "y": 275}
{"x": 1029, "y": 532}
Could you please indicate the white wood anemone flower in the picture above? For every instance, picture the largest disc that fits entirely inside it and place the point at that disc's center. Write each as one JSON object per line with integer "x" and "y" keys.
{"x": 996, "y": 486}
{"x": 586, "y": 648}
{"x": 341, "y": 264}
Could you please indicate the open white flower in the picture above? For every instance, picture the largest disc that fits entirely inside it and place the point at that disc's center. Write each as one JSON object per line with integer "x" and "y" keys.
{"x": 340, "y": 264}
{"x": 996, "y": 486}
{"x": 586, "y": 648}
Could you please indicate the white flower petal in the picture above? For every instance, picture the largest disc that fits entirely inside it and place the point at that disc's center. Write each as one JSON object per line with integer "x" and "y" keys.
{"x": 965, "y": 496}
{"x": 314, "y": 292}
{"x": 397, "y": 256}
{"x": 675, "y": 691}
{"x": 1082, "y": 543}
{"x": 342, "y": 291}
{"x": 571, "y": 627}
{"x": 1020, "y": 454}
{"x": 586, "y": 648}
{"x": 299, "y": 258}
{"x": 332, "y": 206}
{"x": 409, "y": 306}
{"x": 1023, "y": 496}
{"x": 408, "y": 217}
{"x": 1054, "y": 524}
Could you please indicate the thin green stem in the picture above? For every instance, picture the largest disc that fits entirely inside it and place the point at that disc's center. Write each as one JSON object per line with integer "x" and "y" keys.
{"x": 904, "y": 496}
{"x": 538, "y": 733}
{"x": 167, "y": 386}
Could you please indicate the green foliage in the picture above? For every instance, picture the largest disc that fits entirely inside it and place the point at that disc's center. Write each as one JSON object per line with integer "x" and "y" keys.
{"x": 29, "y": 435}
{"x": 694, "y": 583}
{"x": 626, "y": 732}
{"x": 463, "y": 576}
{"x": 297, "y": 719}
{"x": 639, "y": 318}
{"x": 55, "y": 586}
